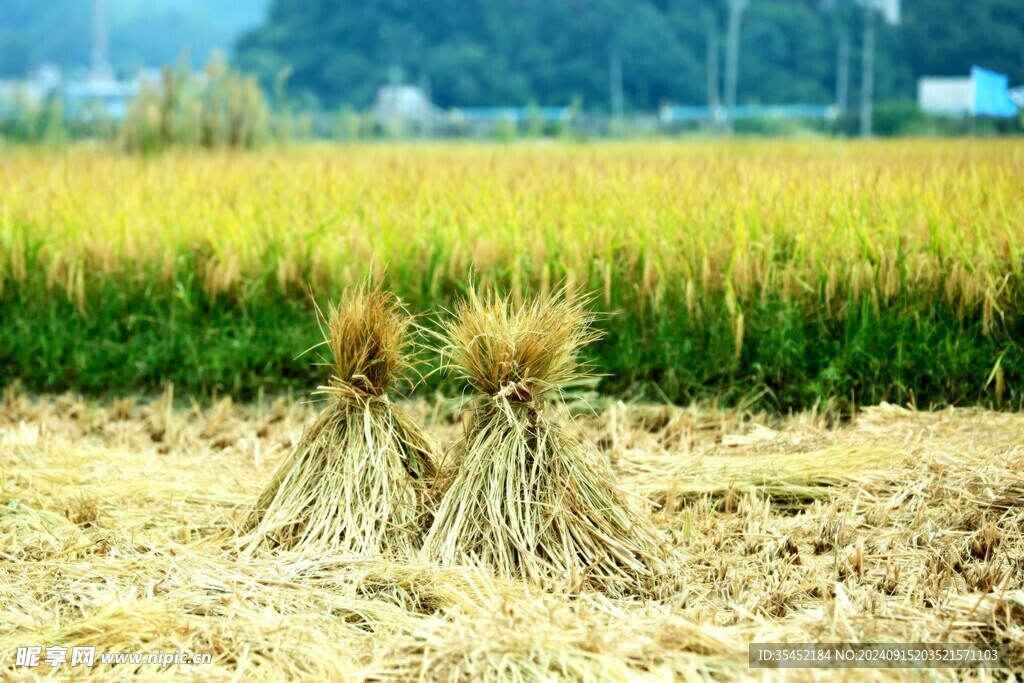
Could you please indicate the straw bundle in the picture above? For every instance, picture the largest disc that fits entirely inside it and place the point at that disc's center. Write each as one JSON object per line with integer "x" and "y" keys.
{"x": 353, "y": 482}
{"x": 520, "y": 495}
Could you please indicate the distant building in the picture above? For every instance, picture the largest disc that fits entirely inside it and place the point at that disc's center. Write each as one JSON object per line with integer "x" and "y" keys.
{"x": 99, "y": 97}
{"x": 33, "y": 90}
{"x": 947, "y": 96}
{"x": 511, "y": 114}
{"x": 484, "y": 121}
{"x": 401, "y": 108}
{"x": 983, "y": 93}
{"x": 675, "y": 114}
{"x": 94, "y": 95}
{"x": 1017, "y": 95}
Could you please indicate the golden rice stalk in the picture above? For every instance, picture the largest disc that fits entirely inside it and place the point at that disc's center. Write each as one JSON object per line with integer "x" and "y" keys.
{"x": 354, "y": 481}
{"x": 519, "y": 495}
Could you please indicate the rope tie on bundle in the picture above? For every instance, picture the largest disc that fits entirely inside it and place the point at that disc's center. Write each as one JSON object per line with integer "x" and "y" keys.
{"x": 340, "y": 389}
{"x": 512, "y": 392}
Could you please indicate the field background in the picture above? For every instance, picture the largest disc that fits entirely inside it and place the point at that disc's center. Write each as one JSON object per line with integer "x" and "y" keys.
{"x": 777, "y": 275}
{"x": 808, "y": 377}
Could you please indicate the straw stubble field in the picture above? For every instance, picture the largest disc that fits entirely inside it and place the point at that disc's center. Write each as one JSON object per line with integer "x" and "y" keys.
{"x": 118, "y": 519}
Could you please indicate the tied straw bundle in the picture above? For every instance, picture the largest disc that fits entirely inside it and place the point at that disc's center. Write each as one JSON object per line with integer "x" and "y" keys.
{"x": 520, "y": 495}
{"x": 354, "y": 481}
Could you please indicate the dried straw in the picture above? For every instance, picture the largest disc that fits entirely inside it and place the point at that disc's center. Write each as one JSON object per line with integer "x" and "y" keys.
{"x": 519, "y": 495}
{"x": 108, "y": 541}
{"x": 354, "y": 481}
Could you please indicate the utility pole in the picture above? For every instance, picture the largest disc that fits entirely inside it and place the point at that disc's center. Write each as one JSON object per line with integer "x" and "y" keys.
{"x": 714, "y": 84}
{"x": 732, "y": 58}
{"x": 843, "y": 72}
{"x": 428, "y": 96}
{"x": 394, "y": 50}
{"x": 615, "y": 87}
{"x": 100, "y": 66}
{"x": 867, "y": 77}
{"x": 395, "y": 75}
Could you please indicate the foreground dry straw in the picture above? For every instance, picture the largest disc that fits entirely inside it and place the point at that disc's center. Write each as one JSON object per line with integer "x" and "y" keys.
{"x": 522, "y": 497}
{"x": 111, "y": 515}
{"x": 354, "y": 481}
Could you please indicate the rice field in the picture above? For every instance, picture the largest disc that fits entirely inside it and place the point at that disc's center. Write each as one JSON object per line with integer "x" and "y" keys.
{"x": 666, "y": 400}
{"x": 756, "y": 218}
{"x": 118, "y": 520}
{"x": 779, "y": 273}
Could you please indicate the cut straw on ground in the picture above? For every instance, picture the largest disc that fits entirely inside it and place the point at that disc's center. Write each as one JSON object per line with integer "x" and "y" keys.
{"x": 112, "y": 535}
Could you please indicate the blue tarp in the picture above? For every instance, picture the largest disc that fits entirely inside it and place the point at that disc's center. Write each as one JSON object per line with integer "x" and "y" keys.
{"x": 992, "y": 94}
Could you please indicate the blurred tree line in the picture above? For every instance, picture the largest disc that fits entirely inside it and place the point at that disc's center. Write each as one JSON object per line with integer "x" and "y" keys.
{"x": 553, "y": 52}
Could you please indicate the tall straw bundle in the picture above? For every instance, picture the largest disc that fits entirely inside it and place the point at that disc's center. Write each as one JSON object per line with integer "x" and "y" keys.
{"x": 353, "y": 482}
{"x": 519, "y": 494}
